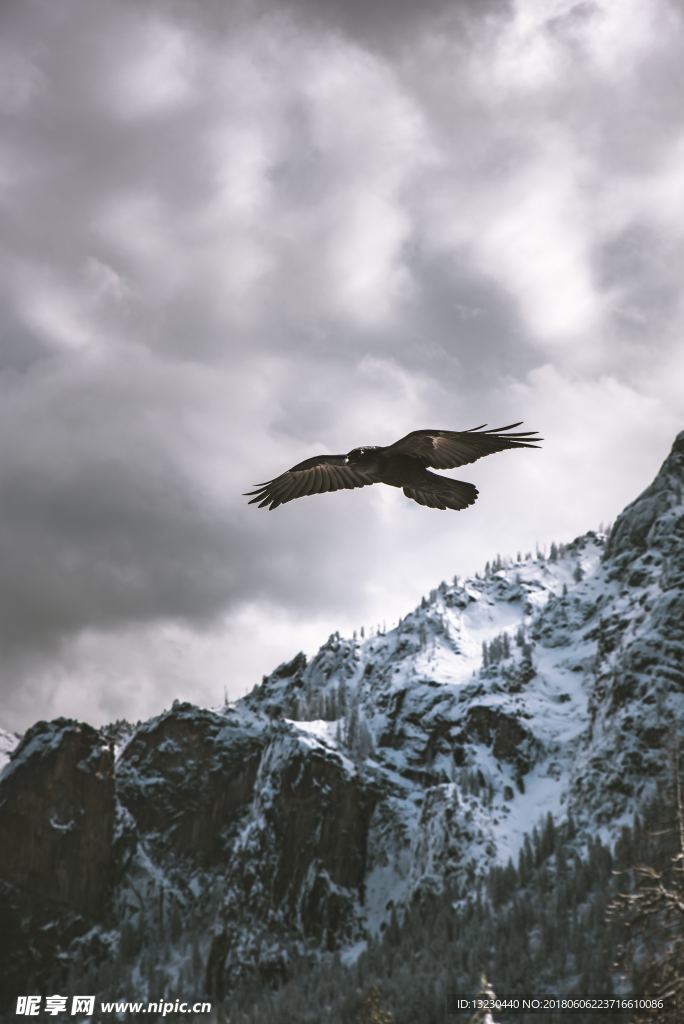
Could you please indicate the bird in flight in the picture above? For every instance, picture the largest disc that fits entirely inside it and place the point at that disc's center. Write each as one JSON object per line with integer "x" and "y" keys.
{"x": 402, "y": 464}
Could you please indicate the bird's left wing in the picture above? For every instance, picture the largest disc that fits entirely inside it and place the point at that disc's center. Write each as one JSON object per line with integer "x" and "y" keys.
{"x": 446, "y": 449}
{"x": 313, "y": 476}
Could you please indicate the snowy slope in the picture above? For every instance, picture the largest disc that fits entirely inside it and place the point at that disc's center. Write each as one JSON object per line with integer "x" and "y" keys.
{"x": 443, "y": 728}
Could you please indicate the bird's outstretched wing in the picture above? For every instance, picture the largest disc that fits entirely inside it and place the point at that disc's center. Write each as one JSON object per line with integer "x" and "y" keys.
{"x": 313, "y": 476}
{"x": 446, "y": 449}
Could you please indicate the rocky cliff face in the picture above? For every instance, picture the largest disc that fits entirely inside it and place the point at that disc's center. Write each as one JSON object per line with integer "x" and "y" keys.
{"x": 636, "y": 705}
{"x": 57, "y": 811}
{"x": 186, "y": 780}
{"x": 227, "y": 844}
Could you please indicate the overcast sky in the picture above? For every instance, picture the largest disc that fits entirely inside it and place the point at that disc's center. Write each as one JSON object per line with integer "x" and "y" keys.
{"x": 235, "y": 235}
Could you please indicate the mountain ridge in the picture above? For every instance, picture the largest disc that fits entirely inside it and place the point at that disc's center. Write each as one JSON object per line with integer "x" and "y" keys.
{"x": 299, "y": 820}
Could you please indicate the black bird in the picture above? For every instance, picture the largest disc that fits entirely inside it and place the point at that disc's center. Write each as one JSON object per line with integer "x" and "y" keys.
{"x": 402, "y": 464}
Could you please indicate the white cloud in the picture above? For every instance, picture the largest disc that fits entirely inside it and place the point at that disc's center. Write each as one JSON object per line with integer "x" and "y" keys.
{"x": 143, "y": 230}
{"x": 619, "y": 36}
{"x": 104, "y": 283}
{"x": 53, "y": 308}
{"x": 537, "y": 240}
{"x": 582, "y": 416}
{"x": 151, "y": 68}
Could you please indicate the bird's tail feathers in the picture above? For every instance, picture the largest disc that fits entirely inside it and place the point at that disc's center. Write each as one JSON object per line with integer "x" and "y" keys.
{"x": 442, "y": 492}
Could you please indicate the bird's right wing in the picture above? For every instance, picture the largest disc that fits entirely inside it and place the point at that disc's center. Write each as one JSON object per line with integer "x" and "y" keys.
{"x": 447, "y": 449}
{"x": 313, "y": 476}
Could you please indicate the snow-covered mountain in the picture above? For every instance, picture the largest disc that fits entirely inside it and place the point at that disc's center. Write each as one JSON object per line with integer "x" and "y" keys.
{"x": 298, "y": 821}
{"x": 8, "y": 742}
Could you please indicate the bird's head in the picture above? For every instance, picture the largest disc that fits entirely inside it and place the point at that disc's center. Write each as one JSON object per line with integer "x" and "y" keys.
{"x": 357, "y": 455}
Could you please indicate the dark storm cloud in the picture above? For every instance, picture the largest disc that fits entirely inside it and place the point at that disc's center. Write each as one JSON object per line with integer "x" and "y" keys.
{"x": 102, "y": 520}
{"x": 392, "y": 23}
{"x": 234, "y": 236}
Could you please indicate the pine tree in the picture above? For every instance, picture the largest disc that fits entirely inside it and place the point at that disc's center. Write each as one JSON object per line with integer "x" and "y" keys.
{"x": 548, "y": 837}
{"x": 341, "y": 700}
{"x": 526, "y": 668}
{"x": 352, "y": 724}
